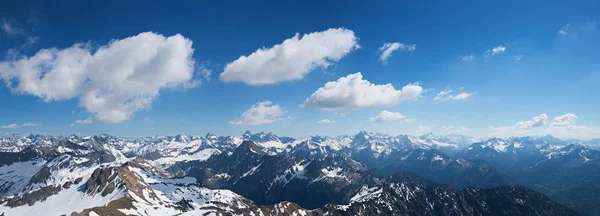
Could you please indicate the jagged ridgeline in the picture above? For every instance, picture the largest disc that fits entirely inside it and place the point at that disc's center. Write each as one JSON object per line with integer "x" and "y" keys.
{"x": 265, "y": 174}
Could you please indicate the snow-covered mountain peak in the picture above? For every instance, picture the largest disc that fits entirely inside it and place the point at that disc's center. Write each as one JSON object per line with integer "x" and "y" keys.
{"x": 210, "y": 136}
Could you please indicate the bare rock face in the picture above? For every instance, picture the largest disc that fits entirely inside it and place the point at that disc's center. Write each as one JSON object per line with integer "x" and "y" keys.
{"x": 41, "y": 176}
{"x": 144, "y": 165}
{"x": 31, "y": 198}
{"x": 103, "y": 181}
{"x": 136, "y": 190}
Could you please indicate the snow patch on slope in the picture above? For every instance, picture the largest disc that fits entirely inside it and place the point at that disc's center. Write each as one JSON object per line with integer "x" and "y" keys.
{"x": 64, "y": 203}
{"x": 15, "y": 177}
{"x": 201, "y": 155}
{"x": 365, "y": 194}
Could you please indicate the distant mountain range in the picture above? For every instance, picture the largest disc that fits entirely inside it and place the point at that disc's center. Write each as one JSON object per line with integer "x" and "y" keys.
{"x": 567, "y": 172}
{"x": 256, "y": 173}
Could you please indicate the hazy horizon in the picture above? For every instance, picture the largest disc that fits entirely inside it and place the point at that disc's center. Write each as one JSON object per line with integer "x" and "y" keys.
{"x": 480, "y": 138}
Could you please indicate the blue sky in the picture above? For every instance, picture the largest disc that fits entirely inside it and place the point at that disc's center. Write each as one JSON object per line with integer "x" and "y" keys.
{"x": 524, "y": 68}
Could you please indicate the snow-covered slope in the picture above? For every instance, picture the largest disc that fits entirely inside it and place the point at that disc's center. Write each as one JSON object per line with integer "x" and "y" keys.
{"x": 134, "y": 188}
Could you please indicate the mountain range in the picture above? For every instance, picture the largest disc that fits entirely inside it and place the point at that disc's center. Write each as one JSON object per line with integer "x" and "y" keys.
{"x": 262, "y": 173}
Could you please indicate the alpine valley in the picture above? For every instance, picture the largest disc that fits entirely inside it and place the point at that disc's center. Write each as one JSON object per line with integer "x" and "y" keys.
{"x": 266, "y": 174}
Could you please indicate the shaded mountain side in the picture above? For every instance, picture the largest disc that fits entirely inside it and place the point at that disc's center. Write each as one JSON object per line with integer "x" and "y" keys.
{"x": 407, "y": 198}
{"x": 574, "y": 185}
{"x": 435, "y": 165}
{"x": 268, "y": 179}
{"x": 7, "y": 158}
{"x": 567, "y": 173}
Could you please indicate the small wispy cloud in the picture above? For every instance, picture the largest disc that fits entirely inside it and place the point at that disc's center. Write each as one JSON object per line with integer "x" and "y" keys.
{"x": 494, "y": 51}
{"x": 423, "y": 129}
{"x": 447, "y": 95}
{"x": 341, "y": 114}
{"x": 30, "y": 41}
{"x": 9, "y": 28}
{"x": 519, "y": 57}
{"x": 564, "y": 30}
{"x": 451, "y": 129}
{"x": 14, "y": 125}
{"x": 410, "y": 120}
{"x": 88, "y": 120}
{"x": 388, "y": 48}
{"x": 325, "y": 121}
{"x": 468, "y": 57}
{"x": 204, "y": 69}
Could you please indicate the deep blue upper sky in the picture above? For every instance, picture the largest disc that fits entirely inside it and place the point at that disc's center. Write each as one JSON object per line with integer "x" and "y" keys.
{"x": 556, "y": 72}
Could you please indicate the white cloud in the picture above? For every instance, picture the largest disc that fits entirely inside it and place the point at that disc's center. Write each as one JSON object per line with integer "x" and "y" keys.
{"x": 423, "y": 129}
{"x": 410, "y": 121}
{"x": 14, "y": 125}
{"x": 293, "y": 59}
{"x": 387, "y": 116}
{"x": 341, "y": 114}
{"x": 264, "y": 112}
{"x": 113, "y": 81}
{"x": 564, "y": 30}
{"x": 325, "y": 121}
{"x": 352, "y": 92}
{"x": 447, "y": 95}
{"x": 12, "y": 54}
{"x": 30, "y": 41}
{"x": 451, "y": 129}
{"x": 494, "y": 51}
{"x": 9, "y": 28}
{"x": 564, "y": 120}
{"x": 468, "y": 58}
{"x": 564, "y": 126}
{"x": 388, "y": 48}
{"x": 537, "y": 121}
{"x": 85, "y": 121}
{"x": 204, "y": 70}
{"x": 148, "y": 120}
{"x": 521, "y": 127}
{"x": 575, "y": 131}
{"x": 519, "y": 57}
